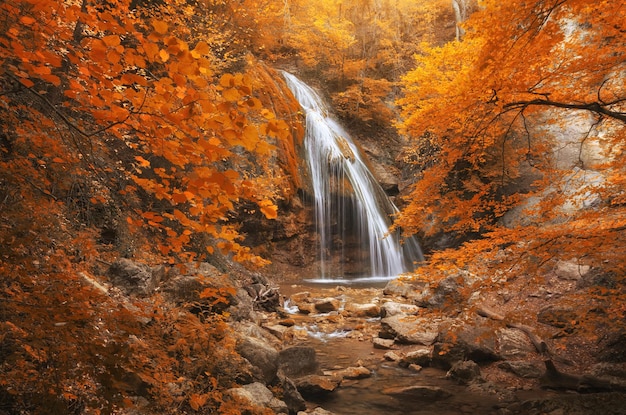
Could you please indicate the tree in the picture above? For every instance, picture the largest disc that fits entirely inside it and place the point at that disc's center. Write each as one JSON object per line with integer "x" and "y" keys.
{"x": 483, "y": 112}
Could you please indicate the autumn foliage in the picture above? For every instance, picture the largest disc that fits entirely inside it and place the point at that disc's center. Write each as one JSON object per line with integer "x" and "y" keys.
{"x": 141, "y": 128}
{"x": 492, "y": 118}
{"x": 125, "y": 131}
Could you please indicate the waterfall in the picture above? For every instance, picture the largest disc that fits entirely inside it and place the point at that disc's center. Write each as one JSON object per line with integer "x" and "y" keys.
{"x": 352, "y": 212}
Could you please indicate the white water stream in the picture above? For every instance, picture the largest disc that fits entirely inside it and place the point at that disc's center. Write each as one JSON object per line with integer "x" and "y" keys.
{"x": 352, "y": 212}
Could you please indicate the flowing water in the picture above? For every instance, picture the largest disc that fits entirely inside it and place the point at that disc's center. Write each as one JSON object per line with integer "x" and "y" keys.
{"x": 352, "y": 212}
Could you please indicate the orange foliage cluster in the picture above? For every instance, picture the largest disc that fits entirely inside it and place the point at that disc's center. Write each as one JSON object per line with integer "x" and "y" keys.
{"x": 134, "y": 127}
{"x": 484, "y": 113}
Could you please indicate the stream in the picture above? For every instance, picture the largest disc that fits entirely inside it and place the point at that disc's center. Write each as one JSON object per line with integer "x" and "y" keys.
{"x": 342, "y": 342}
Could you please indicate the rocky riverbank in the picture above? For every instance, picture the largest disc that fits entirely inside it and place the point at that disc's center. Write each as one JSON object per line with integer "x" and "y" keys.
{"x": 406, "y": 347}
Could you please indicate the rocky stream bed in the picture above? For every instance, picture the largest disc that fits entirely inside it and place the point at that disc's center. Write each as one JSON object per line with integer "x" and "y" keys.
{"x": 403, "y": 347}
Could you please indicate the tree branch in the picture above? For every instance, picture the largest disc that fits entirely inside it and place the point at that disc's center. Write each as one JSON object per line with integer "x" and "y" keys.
{"x": 594, "y": 107}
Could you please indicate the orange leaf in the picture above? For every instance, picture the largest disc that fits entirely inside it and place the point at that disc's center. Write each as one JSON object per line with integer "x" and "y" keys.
{"x": 160, "y": 27}
{"x": 27, "y": 82}
{"x": 269, "y": 209}
{"x": 202, "y": 48}
{"x": 142, "y": 161}
{"x": 27, "y": 20}
{"x": 111, "y": 40}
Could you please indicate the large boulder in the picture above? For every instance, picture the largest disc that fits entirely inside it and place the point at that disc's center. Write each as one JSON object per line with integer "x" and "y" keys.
{"x": 258, "y": 395}
{"x": 315, "y": 386}
{"x": 261, "y": 355}
{"x": 391, "y": 308}
{"x": 409, "y": 329}
{"x": 298, "y": 361}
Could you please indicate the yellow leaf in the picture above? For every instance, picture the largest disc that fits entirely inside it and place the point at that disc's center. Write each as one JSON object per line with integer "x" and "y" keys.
{"x": 202, "y": 48}
{"x": 164, "y": 55}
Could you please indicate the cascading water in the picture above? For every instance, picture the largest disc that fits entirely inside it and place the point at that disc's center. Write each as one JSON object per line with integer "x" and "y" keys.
{"x": 352, "y": 212}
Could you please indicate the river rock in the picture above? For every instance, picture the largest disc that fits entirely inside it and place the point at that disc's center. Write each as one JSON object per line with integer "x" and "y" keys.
{"x": 409, "y": 329}
{"x": 300, "y": 297}
{"x": 464, "y": 372}
{"x": 384, "y": 344}
{"x": 317, "y": 411}
{"x": 392, "y": 357}
{"x": 418, "y": 393}
{"x": 522, "y": 369}
{"x": 278, "y": 330}
{"x": 363, "y": 310}
{"x": 421, "y": 357}
{"x": 294, "y": 400}
{"x": 359, "y": 372}
{"x": 403, "y": 288}
{"x": 298, "y": 361}
{"x": 392, "y": 308}
{"x": 262, "y": 356}
{"x": 312, "y": 386}
{"x": 326, "y": 305}
{"x": 258, "y": 395}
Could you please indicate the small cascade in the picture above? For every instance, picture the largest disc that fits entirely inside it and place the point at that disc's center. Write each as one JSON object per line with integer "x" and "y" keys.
{"x": 352, "y": 212}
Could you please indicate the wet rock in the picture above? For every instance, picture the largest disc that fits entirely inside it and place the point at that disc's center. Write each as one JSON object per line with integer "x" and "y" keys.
{"x": 384, "y": 344}
{"x": 502, "y": 394}
{"x": 464, "y": 372}
{"x": 392, "y": 308}
{"x": 298, "y": 361}
{"x": 409, "y": 329}
{"x": 306, "y": 308}
{"x": 278, "y": 330}
{"x": 415, "y": 368}
{"x": 327, "y": 305}
{"x": 392, "y": 357}
{"x": 363, "y": 310}
{"x": 288, "y": 322}
{"x": 294, "y": 400}
{"x": 300, "y": 297}
{"x": 312, "y": 386}
{"x": 262, "y": 356}
{"x": 352, "y": 373}
{"x": 317, "y": 411}
{"x": 421, "y": 357}
{"x": 258, "y": 395}
{"x": 418, "y": 393}
{"x": 522, "y": 369}
{"x": 133, "y": 277}
{"x": 403, "y": 288}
